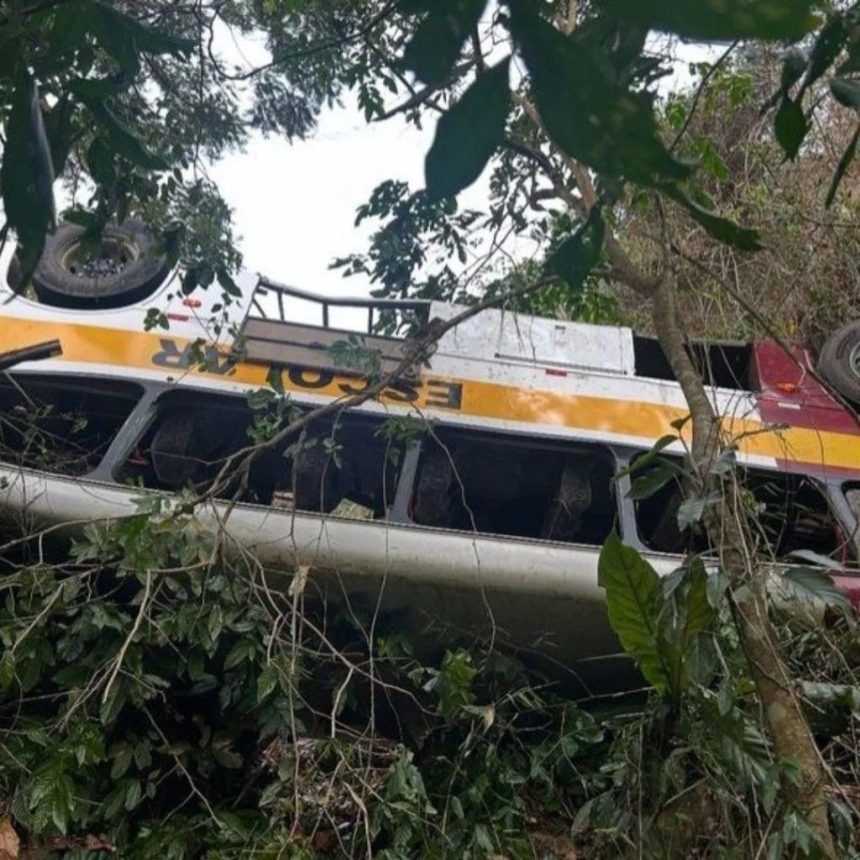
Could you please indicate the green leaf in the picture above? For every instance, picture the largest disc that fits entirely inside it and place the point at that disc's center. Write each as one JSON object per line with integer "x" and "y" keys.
{"x": 583, "y": 104}
{"x": 132, "y": 794}
{"x": 648, "y": 457}
{"x": 720, "y": 19}
{"x": 58, "y": 127}
{"x": 577, "y": 255}
{"x": 121, "y": 762}
{"x": 697, "y": 609}
{"x": 241, "y": 652}
{"x": 844, "y": 164}
{"x": 808, "y": 585}
{"x": 740, "y": 743}
{"x": 112, "y": 705}
{"x": 225, "y": 755}
{"x": 267, "y": 681}
{"x": 123, "y": 141}
{"x": 793, "y": 66}
{"x": 438, "y": 39}
{"x": 468, "y": 134}
{"x": 634, "y": 600}
{"x": 97, "y": 88}
{"x": 790, "y": 126}
{"x": 7, "y": 671}
{"x": 26, "y": 174}
{"x": 846, "y": 92}
{"x": 117, "y": 33}
{"x": 710, "y": 160}
{"x": 825, "y": 49}
{"x": 100, "y": 161}
{"x": 720, "y": 228}
{"x": 653, "y": 477}
{"x": 691, "y": 511}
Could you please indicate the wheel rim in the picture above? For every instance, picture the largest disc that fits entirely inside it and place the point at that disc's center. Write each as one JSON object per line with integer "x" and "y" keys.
{"x": 111, "y": 257}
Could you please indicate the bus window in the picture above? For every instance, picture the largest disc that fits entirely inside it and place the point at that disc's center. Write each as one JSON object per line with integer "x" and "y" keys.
{"x": 61, "y": 424}
{"x": 343, "y": 466}
{"x": 508, "y": 486}
{"x": 657, "y": 514}
{"x": 789, "y": 513}
{"x": 793, "y": 514}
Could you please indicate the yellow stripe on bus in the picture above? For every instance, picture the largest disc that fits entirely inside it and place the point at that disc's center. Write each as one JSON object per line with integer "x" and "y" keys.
{"x": 631, "y": 418}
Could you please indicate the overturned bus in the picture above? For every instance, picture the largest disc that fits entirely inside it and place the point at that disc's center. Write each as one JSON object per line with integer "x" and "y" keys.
{"x": 474, "y": 492}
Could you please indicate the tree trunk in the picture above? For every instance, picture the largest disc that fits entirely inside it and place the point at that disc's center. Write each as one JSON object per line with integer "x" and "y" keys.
{"x": 727, "y": 528}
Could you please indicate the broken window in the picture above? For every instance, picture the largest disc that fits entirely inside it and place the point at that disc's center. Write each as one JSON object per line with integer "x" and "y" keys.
{"x": 344, "y": 466}
{"x": 508, "y": 486}
{"x": 788, "y": 512}
{"x": 724, "y": 365}
{"x": 61, "y": 424}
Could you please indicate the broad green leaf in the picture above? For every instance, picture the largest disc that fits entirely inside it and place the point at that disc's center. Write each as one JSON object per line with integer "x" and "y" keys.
{"x": 121, "y": 762}
{"x": 654, "y": 476}
{"x": 740, "y": 743}
{"x": 846, "y": 92}
{"x": 720, "y": 19}
{"x": 148, "y": 40}
{"x": 97, "y": 88}
{"x": 825, "y": 49}
{"x": 584, "y": 106}
{"x": 648, "y": 457}
{"x": 808, "y": 585}
{"x": 684, "y": 615}
{"x": 698, "y": 612}
{"x": 100, "y": 161}
{"x": 793, "y": 66}
{"x": 27, "y": 173}
{"x": 844, "y": 163}
{"x": 574, "y": 259}
{"x": 720, "y": 228}
{"x": 790, "y": 126}
{"x": 692, "y": 510}
{"x": 634, "y": 601}
{"x": 852, "y": 61}
{"x": 468, "y": 134}
{"x": 434, "y": 48}
{"x": 267, "y": 681}
{"x": 59, "y": 129}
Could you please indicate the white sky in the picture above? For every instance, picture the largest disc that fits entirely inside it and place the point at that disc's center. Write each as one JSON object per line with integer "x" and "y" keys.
{"x": 295, "y": 203}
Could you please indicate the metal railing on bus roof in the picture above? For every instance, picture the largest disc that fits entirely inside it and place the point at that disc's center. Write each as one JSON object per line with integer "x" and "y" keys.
{"x": 373, "y": 306}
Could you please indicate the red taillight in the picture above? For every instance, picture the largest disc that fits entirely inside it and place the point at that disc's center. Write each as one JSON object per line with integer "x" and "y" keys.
{"x": 786, "y": 387}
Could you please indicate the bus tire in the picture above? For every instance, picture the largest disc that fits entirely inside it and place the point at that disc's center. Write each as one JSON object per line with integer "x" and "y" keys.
{"x": 839, "y": 361}
{"x": 130, "y": 268}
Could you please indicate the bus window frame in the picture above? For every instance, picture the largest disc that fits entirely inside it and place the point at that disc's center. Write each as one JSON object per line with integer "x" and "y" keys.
{"x": 410, "y": 469}
{"x": 107, "y": 462}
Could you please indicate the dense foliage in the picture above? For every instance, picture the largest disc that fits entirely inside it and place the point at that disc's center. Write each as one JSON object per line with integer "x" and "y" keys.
{"x": 156, "y": 705}
{"x": 159, "y": 699}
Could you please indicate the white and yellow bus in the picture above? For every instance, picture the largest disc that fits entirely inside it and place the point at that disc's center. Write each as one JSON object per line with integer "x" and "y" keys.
{"x": 489, "y": 518}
